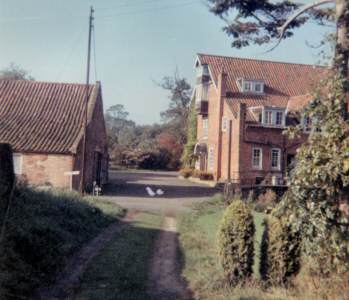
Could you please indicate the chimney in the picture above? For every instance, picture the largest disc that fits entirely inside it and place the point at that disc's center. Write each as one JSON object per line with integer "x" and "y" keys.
{"x": 222, "y": 84}
{"x": 241, "y": 131}
{"x": 222, "y": 90}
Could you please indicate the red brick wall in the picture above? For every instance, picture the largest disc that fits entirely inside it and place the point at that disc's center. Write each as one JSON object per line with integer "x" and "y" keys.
{"x": 244, "y": 138}
{"x": 96, "y": 142}
{"x": 43, "y": 169}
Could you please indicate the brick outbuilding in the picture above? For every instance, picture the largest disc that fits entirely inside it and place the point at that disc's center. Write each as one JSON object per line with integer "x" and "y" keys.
{"x": 44, "y": 123}
{"x": 243, "y": 107}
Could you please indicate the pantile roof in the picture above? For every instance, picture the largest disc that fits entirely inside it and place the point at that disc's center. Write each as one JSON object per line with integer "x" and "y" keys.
{"x": 42, "y": 117}
{"x": 283, "y": 81}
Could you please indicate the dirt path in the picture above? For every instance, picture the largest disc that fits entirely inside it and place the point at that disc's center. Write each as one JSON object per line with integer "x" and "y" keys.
{"x": 69, "y": 280}
{"x": 165, "y": 282}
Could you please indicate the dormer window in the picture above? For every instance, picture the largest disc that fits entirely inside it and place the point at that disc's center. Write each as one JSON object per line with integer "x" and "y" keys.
{"x": 247, "y": 86}
{"x": 250, "y": 86}
{"x": 274, "y": 117}
{"x": 258, "y": 87}
{"x": 279, "y": 118}
{"x": 268, "y": 117}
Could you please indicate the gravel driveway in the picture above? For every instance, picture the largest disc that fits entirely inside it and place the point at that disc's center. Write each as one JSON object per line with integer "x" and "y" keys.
{"x": 128, "y": 188}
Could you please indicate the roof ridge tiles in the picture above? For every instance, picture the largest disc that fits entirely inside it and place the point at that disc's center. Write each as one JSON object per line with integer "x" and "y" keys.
{"x": 263, "y": 60}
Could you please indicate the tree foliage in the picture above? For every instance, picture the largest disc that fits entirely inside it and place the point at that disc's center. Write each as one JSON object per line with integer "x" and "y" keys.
{"x": 257, "y": 22}
{"x": 317, "y": 202}
{"x": 280, "y": 251}
{"x": 235, "y": 241}
{"x": 15, "y": 72}
{"x": 176, "y": 116}
{"x": 188, "y": 158}
{"x": 7, "y": 176}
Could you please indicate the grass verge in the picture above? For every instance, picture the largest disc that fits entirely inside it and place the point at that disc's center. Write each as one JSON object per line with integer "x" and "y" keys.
{"x": 43, "y": 230}
{"x": 198, "y": 231}
{"x": 120, "y": 271}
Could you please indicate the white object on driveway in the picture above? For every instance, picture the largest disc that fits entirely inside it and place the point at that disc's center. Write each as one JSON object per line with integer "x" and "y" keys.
{"x": 160, "y": 192}
{"x": 150, "y": 191}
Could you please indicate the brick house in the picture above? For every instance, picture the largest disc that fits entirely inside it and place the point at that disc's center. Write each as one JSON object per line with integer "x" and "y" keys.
{"x": 44, "y": 124}
{"x": 243, "y": 106}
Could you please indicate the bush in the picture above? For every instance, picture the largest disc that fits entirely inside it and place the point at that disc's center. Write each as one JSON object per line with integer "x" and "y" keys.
{"x": 235, "y": 239}
{"x": 202, "y": 175}
{"x": 186, "y": 172}
{"x": 280, "y": 251}
{"x": 7, "y": 176}
{"x": 148, "y": 160}
{"x": 266, "y": 201}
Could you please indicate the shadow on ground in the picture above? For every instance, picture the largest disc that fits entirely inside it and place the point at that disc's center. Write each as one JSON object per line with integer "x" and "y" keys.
{"x": 134, "y": 184}
{"x": 123, "y": 268}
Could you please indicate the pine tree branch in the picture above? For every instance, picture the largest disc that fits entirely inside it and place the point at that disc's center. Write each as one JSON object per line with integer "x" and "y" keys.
{"x": 299, "y": 12}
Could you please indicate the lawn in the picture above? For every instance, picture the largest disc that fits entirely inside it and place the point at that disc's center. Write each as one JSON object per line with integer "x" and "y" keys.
{"x": 198, "y": 231}
{"x": 120, "y": 271}
{"x": 43, "y": 230}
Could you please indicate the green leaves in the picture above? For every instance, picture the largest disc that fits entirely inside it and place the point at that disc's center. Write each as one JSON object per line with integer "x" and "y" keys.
{"x": 318, "y": 184}
{"x": 236, "y": 242}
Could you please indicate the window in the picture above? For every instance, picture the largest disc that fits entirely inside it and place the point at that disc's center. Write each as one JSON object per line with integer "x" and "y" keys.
{"x": 202, "y": 70}
{"x": 205, "y": 127}
{"x": 275, "y": 158}
{"x": 279, "y": 118}
{"x": 268, "y": 117}
{"x": 257, "y": 158}
{"x": 225, "y": 124}
{"x": 211, "y": 159}
{"x": 17, "y": 163}
{"x": 201, "y": 92}
{"x": 247, "y": 86}
{"x": 306, "y": 124}
{"x": 254, "y": 86}
{"x": 258, "y": 87}
{"x": 274, "y": 117}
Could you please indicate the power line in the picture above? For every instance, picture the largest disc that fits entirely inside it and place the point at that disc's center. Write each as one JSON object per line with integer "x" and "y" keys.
{"x": 73, "y": 17}
{"x": 150, "y": 10}
{"x": 72, "y": 51}
{"x": 122, "y": 5}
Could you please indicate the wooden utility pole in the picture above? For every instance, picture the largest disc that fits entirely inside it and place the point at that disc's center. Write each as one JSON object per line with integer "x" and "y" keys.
{"x": 87, "y": 96}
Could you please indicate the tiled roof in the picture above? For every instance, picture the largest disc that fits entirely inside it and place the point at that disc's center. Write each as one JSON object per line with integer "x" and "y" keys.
{"x": 42, "y": 117}
{"x": 297, "y": 103}
{"x": 282, "y": 80}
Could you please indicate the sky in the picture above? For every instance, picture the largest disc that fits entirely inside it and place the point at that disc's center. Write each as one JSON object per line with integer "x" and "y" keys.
{"x": 137, "y": 43}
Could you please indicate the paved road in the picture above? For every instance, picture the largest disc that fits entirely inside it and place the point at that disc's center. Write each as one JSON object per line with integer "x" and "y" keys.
{"x": 128, "y": 188}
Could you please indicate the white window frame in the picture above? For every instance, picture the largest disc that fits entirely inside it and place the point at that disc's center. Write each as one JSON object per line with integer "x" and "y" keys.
{"x": 278, "y": 166}
{"x": 260, "y": 163}
{"x": 260, "y": 87}
{"x": 201, "y": 91}
{"x": 306, "y": 124}
{"x": 210, "y": 160}
{"x": 268, "y": 112}
{"x": 250, "y": 86}
{"x": 272, "y": 117}
{"x": 17, "y": 163}
{"x": 276, "y": 118}
{"x": 205, "y": 127}
{"x": 225, "y": 124}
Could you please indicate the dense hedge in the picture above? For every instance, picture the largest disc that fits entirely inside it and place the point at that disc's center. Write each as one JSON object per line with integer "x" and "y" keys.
{"x": 7, "y": 177}
{"x": 280, "y": 252}
{"x": 235, "y": 239}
